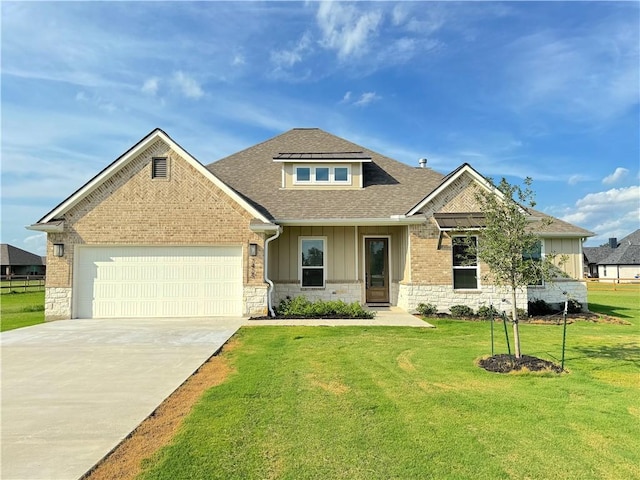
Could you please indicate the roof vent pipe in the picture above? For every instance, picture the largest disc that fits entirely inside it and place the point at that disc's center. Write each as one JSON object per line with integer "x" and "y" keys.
{"x": 613, "y": 242}
{"x": 423, "y": 163}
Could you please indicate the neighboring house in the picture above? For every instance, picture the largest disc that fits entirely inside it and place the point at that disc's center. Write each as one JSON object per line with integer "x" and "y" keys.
{"x": 18, "y": 262}
{"x": 157, "y": 234}
{"x": 618, "y": 260}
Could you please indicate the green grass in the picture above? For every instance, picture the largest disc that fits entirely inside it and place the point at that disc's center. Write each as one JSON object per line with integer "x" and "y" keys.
{"x": 623, "y": 302}
{"x": 21, "y": 310}
{"x": 383, "y": 403}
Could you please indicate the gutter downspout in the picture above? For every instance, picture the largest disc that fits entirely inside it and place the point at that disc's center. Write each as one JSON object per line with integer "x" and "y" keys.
{"x": 266, "y": 271}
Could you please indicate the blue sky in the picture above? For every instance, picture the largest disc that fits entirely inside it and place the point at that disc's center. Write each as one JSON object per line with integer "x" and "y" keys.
{"x": 548, "y": 90}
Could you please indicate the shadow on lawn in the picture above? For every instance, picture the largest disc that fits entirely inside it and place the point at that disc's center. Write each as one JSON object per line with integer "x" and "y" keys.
{"x": 628, "y": 352}
{"x": 608, "y": 310}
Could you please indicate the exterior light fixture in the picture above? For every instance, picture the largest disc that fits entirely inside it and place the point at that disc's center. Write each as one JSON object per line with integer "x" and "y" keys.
{"x": 58, "y": 249}
{"x": 253, "y": 249}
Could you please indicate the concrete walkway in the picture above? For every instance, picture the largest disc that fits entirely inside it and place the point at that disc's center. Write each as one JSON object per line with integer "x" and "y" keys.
{"x": 73, "y": 389}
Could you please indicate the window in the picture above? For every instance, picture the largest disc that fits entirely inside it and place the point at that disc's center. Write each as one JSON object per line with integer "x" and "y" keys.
{"x": 303, "y": 174}
{"x": 322, "y": 175}
{"x": 465, "y": 263}
{"x": 341, "y": 174}
{"x": 159, "y": 168}
{"x": 312, "y": 261}
{"x": 534, "y": 257}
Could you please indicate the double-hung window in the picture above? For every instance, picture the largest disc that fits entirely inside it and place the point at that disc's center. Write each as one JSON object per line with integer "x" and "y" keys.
{"x": 465, "y": 263}
{"x": 313, "y": 261}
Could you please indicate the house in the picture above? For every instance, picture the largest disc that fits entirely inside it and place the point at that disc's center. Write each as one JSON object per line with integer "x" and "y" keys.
{"x": 158, "y": 234}
{"x": 18, "y": 262}
{"x": 617, "y": 260}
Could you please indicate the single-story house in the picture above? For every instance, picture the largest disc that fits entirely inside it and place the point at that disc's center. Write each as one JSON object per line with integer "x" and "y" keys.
{"x": 158, "y": 234}
{"x": 618, "y": 260}
{"x": 18, "y": 262}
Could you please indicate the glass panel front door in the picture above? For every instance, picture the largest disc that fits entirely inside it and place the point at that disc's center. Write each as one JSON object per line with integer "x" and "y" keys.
{"x": 377, "y": 270}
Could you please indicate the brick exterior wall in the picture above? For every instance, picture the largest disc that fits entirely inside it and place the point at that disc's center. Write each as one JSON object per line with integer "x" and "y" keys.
{"x": 431, "y": 276}
{"x": 131, "y": 208}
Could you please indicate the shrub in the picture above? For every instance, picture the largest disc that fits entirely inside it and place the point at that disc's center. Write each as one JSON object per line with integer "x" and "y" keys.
{"x": 539, "y": 307}
{"x": 574, "y": 306}
{"x": 488, "y": 312}
{"x": 426, "y": 309}
{"x": 301, "y": 307}
{"x": 461, "y": 311}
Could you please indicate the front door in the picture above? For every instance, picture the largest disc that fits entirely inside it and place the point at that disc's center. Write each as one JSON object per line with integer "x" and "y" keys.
{"x": 377, "y": 270}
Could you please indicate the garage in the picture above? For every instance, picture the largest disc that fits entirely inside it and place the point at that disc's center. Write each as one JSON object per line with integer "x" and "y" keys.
{"x": 156, "y": 282}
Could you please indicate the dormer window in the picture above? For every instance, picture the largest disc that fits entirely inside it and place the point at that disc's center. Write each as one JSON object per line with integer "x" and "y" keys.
{"x": 324, "y": 170}
{"x": 322, "y": 175}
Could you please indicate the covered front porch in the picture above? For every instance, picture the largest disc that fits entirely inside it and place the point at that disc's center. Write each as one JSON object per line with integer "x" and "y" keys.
{"x": 353, "y": 263}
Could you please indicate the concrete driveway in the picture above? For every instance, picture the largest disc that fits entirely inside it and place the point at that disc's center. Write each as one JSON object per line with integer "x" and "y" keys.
{"x": 73, "y": 389}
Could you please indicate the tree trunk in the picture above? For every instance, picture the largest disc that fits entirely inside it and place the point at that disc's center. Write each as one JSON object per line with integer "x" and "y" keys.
{"x": 516, "y": 330}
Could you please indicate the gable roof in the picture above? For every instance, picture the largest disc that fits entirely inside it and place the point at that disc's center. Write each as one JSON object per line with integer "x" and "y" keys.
{"x": 465, "y": 168}
{"x": 391, "y": 188}
{"x": 627, "y": 252}
{"x": 10, "y": 255}
{"x": 50, "y": 221}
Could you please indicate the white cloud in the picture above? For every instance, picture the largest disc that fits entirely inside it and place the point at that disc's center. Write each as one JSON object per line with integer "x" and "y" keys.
{"x": 588, "y": 77}
{"x": 150, "y": 86}
{"x": 36, "y": 244}
{"x": 366, "y": 98}
{"x": 616, "y": 176}
{"x": 238, "y": 60}
{"x": 575, "y": 179}
{"x": 594, "y": 212}
{"x": 189, "y": 87}
{"x": 346, "y": 29}
{"x": 362, "y": 101}
{"x": 288, "y": 58}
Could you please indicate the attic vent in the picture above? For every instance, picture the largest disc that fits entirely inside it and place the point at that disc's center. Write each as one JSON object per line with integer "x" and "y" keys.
{"x": 159, "y": 168}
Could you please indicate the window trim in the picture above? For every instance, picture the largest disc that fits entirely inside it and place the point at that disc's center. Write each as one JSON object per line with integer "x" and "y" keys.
{"x": 301, "y": 239}
{"x": 454, "y": 267}
{"x": 312, "y": 174}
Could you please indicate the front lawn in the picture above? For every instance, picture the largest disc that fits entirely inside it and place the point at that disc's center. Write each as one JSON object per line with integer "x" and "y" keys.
{"x": 21, "y": 310}
{"x": 382, "y": 403}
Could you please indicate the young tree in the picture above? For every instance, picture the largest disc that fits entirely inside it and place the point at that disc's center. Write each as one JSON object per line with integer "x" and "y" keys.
{"x": 509, "y": 241}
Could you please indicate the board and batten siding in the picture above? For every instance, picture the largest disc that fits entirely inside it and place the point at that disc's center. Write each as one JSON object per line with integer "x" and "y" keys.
{"x": 572, "y": 248}
{"x": 341, "y": 251}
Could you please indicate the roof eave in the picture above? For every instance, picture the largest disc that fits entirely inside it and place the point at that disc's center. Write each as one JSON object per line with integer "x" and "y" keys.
{"x": 49, "y": 227}
{"x": 392, "y": 220}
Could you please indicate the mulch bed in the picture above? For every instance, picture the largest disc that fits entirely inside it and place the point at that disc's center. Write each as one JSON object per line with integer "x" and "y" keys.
{"x": 504, "y": 363}
{"x": 300, "y": 317}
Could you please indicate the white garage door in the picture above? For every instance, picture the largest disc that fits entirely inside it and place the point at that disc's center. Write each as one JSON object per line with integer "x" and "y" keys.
{"x": 132, "y": 282}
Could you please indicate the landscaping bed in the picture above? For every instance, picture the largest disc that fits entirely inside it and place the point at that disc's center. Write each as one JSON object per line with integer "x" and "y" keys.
{"x": 504, "y": 363}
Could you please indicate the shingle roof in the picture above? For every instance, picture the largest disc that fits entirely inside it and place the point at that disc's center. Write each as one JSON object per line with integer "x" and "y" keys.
{"x": 627, "y": 252}
{"x": 10, "y": 255}
{"x": 353, "y": 156}
{"x": 390, "y": 187}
